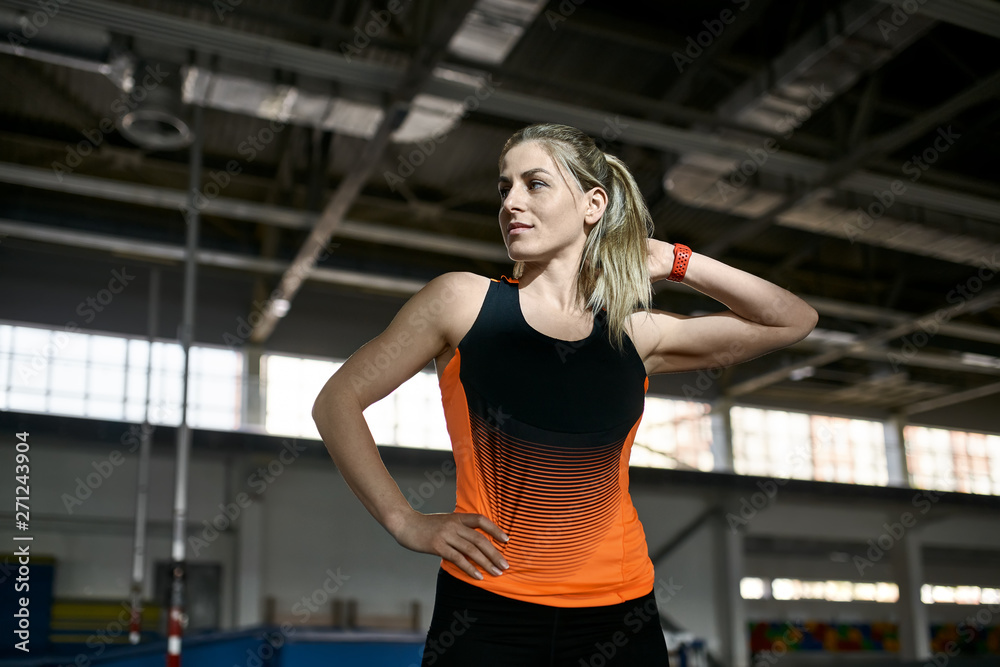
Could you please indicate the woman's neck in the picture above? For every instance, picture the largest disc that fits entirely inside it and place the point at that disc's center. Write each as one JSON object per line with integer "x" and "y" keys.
{"x": 555, "y": 284}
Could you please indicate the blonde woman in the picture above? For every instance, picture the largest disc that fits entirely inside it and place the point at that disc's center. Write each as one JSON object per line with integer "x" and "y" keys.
{"x": 543, "y": 377}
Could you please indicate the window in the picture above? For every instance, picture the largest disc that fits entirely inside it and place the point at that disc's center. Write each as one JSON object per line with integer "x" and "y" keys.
{"x": 796, "y": 445}
{"x": 674, "y": 434}
{"x": 104, "y": 377}
{"x": 772, "y": 443}
{"x": 411, "y": 416}
{"x": 948, "y": 460}
{"x": 752, "y": 588}
{"x": 215, "y": 393}
{"x": 959, "y": 595}
{"x": 848, "y": 450}
{"x": 291, "y": 386}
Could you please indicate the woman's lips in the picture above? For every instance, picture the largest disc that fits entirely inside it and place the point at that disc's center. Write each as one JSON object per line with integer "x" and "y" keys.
{"x": 517, "y": 228}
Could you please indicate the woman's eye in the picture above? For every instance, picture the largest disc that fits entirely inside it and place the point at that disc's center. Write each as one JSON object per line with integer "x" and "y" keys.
{"x": 532, "y": 185}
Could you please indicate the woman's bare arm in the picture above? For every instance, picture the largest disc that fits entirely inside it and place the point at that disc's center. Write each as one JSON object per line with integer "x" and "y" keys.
{"x": 423, "y": 329}
{"x": 762, "y": 317}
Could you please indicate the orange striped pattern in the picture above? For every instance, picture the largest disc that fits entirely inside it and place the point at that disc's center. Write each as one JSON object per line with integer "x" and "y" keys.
{"x": 575, "y": 537}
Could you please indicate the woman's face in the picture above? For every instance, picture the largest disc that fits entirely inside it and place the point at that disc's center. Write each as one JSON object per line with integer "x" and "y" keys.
{"x": 542, "y": 211}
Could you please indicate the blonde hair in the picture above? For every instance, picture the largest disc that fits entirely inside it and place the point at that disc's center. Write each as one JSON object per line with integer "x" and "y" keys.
{"x": 613, "y": 274}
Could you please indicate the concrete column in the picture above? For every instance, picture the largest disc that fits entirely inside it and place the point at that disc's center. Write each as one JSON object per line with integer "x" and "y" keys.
{"x": 722, "y": 435}
{"x": 730, "y": 611}
{"x": 250, "y": 565}
{"x": 908, "y": 568}
{"x": 253, "y": 390}
{"x": 895, "y": 450}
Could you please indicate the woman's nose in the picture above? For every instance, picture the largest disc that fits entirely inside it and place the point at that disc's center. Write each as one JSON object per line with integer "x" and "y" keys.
{"x": 513, "y": 201}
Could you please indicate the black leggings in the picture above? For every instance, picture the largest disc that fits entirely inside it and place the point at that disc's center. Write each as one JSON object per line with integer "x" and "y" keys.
{"x": 473, "y": 627}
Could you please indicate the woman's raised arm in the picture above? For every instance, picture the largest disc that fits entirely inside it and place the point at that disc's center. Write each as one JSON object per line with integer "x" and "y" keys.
{"x": 762, "y": 317}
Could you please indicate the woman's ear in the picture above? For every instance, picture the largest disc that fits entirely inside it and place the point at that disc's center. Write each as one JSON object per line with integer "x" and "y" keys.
{"x": 596, "y": 200}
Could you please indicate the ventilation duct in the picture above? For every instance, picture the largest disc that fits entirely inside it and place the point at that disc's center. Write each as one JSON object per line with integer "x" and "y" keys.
{"x": 429, "y": 115}
{"x": 158, "y": 121}
{"x": 492, "y": 29}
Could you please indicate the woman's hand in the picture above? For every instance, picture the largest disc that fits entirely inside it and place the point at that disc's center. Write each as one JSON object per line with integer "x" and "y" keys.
{"x": 659, "y": 259}
{"x": 453, "y": 536}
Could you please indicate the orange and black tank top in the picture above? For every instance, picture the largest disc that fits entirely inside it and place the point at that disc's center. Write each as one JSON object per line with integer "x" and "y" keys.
{"x": 542, "y": 430}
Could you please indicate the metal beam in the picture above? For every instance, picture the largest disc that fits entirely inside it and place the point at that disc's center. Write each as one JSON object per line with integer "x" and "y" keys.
{"x": 248, "y": 211}
{"x": 175, "y": 253}
{"x": 922, "y": 359}
{"x": 926, "y": 322}
{"x": 653, "y": 109}
{"x": 200, "y": 37}
{"x": 952, "y": 399}
{"x": 416, "y": 76}
{"x": 917, "y": 194}
{"x": 862, "y": 313}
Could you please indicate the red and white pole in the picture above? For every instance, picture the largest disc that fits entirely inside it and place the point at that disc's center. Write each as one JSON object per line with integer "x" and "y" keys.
{"x": 175, "y": 626}
{"x": 135, "y": 618}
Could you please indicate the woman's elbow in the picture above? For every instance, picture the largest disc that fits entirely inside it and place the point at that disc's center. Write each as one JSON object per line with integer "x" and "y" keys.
{"x": 336, "y": 396}
{"x": 323, "y": 405}
{"x": 812, "y": 318}
{"x": 319, "y": 407}
{"x": 805, "y": 322}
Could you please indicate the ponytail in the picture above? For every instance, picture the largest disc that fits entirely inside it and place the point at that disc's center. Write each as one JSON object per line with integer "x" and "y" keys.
{"x": 614, "y": 275}
{"x": 614, "y": 270}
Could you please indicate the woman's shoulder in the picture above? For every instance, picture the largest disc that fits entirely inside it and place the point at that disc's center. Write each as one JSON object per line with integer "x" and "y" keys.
{"x": 454, "y": 292}
{"x": 460, "y": 283}
{"x": 452, "y": 301}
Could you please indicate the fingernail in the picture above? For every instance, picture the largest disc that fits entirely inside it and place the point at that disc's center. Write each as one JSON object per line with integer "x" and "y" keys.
{"x": 506, "y": 538}
{"x": 479, "y": 575}
{"x": 505, "y": 564}
{"x": 496, "y": 570}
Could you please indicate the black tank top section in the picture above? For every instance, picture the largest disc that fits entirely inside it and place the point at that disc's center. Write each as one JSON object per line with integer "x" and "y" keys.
{"x": 523, "y": 377}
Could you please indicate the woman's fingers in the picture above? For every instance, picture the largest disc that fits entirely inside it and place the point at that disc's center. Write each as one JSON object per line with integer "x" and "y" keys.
{"x": 492, "y": 559}
{"x": 456, "y": 557}
{"x": 490, "y": 527}
{"x": 460, "y": 545}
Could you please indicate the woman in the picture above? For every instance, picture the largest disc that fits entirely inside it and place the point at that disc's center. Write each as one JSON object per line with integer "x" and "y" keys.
{"x": 543, "y": 376}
